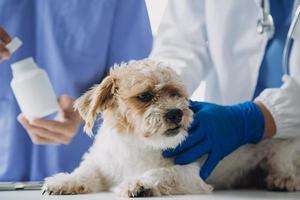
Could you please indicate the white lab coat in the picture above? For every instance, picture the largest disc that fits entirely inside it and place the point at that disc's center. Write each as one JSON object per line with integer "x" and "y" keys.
{"x": 216, "y": 41}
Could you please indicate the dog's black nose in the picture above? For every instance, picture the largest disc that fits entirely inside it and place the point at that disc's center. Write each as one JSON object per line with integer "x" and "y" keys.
{"x": 174, "y": 115}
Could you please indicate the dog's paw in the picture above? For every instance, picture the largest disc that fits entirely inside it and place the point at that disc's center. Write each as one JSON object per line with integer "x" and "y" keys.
{"x": 136, "y": 188}
{"x": 62, "y": 184}
{"x": 275, "y": 182}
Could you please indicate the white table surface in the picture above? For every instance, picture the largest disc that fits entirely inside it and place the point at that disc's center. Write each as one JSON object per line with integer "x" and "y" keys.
{"x": 217, "y": 195}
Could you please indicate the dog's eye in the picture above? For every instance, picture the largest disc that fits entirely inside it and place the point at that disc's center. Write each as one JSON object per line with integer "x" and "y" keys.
{"x": 174, "y": 94}
{"x": 145, "y": 97}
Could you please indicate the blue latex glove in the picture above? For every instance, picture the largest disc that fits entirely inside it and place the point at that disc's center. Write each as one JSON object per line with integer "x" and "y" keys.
{"x": 218, "y": 131}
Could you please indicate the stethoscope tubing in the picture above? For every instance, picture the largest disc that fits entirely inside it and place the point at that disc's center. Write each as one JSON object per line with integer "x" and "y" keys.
{"x": 266, "y": 25}
{"x": 289, "y": 42}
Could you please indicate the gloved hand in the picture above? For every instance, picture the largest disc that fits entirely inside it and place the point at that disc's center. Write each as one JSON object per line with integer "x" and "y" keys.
{"x": 218, "y": 131}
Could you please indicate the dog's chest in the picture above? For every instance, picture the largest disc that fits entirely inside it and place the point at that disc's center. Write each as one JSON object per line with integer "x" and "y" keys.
{"x": 124, "y": 157}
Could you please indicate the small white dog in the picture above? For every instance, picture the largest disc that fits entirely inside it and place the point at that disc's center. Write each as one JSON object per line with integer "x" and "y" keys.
{"x": 145, "y": 110}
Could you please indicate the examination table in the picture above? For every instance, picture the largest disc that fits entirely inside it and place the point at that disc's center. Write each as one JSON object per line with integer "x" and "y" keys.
{"x": 218, "y": 195}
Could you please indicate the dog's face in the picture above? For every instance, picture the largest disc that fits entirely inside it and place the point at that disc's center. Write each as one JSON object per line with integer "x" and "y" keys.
{"x": 142, "y": 98}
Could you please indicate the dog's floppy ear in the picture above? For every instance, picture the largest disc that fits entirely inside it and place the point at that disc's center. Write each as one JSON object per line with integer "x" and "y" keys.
{"x": 97, "y": 99}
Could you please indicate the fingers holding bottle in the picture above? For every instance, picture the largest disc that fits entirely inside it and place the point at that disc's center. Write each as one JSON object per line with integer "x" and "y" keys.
{"x": 4, "y": 40}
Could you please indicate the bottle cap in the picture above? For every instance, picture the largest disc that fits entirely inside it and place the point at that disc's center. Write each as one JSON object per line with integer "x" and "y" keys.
{"x": 14, "y": 45}
{"x": 23, "y": 66}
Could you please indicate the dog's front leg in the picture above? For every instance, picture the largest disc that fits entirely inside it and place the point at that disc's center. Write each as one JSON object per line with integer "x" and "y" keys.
{"x": 165, "y": 181}
{"x": 87, "y": 178}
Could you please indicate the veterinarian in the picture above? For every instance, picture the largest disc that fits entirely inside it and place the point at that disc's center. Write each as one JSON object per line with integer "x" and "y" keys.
{"x": 75, "y": 41}
{"x": 236, "y": 47}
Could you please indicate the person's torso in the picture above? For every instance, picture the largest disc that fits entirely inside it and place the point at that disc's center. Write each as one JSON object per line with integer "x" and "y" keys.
{"x": 236, "y": 49}
{"x": 70, "y": 40}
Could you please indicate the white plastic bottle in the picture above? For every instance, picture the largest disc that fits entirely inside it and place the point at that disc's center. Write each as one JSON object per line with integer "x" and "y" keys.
{"x": 33, "y": 90}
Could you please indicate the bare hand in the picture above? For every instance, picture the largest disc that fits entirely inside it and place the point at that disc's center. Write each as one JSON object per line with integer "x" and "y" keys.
{"x": 4, "y": 40}
{"x": 58, "y": 131}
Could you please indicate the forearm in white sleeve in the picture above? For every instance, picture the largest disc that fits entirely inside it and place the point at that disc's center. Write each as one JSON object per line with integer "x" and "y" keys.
{"x": 284, "y": 105}
{"x": 181, "y": 41}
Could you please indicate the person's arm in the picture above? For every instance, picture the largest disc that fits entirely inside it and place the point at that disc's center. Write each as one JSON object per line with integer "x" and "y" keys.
{"x": 182, "y": 42}
{"x": 219, "y": 130}
{"x": 283, "y": 104}
{"x": 270, "y": 127}
{"x": 4, "y": 40}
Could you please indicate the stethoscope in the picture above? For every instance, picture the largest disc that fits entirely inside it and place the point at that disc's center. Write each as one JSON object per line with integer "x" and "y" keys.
{"x": 265, "y": 25}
